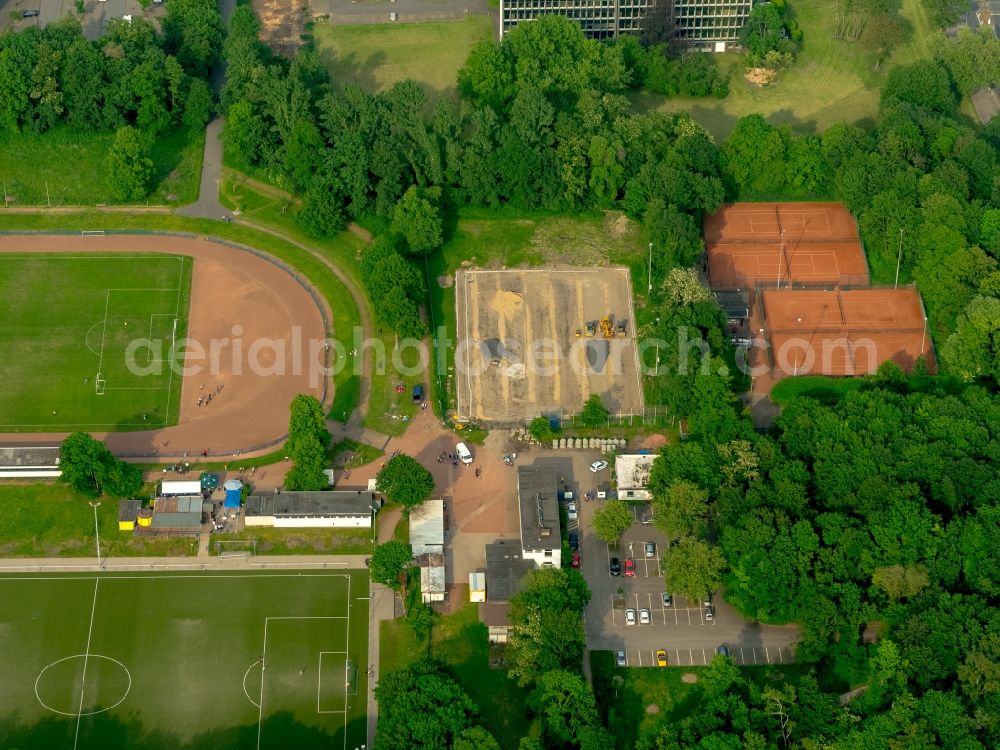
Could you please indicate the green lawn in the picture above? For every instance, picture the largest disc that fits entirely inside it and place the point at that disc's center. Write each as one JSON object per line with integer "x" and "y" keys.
{"x": 207, "y": 662}
{"x": 48, "y": 519}
{"x": 69, "y": 318}
{"x": 375, "y": 57}
{"x": 831, "y": 80}
{"x": 815, "y": 386}
{"x": 460, "y": 640}
{"x": 64, "y": 167}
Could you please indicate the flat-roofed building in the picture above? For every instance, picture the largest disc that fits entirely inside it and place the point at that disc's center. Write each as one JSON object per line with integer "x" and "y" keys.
{"x": 538, "y": 505}
{"x": 708, "y": 24}
{"x": 632, "y": 472}
{"x": 347, "y": 508}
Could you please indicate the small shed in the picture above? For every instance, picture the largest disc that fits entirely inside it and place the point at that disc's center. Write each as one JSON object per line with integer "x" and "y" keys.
{"x": 477, "y": 586}
{"x": 432, "y": 577}
{"x": 128, "y": 514}
{"x": 234, "y": 493}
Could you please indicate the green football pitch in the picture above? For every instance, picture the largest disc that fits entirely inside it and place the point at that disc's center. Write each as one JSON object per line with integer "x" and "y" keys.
{"x": 208, "y": 661}
{"x": 73, "y": 338}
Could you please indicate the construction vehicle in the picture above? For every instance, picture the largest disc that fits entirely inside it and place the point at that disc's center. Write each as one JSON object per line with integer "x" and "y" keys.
{"x": 591, "y": 328}
{"x": 607, "y": 327}
{"x": 578, "y": 333}
{"x": 620, "y": 329}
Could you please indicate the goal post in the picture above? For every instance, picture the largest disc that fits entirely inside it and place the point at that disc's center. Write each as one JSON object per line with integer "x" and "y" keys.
{"x": 227, "y": 548}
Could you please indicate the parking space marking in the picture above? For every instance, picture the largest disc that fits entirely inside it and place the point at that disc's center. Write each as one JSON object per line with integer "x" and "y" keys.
{"x": 767, "y": 655}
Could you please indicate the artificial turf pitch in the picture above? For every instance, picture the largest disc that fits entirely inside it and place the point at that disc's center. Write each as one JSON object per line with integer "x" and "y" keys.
{"x": 68, "y": 324}
{"x": 208, "y": 661}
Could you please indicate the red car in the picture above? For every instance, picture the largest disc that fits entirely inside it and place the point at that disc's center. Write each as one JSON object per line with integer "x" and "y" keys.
{"x": 576, "y": 560}
{"x": 630, "y": 568}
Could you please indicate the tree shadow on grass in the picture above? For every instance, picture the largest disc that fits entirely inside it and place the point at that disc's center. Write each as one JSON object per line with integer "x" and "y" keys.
{"x": 128, "y": 733}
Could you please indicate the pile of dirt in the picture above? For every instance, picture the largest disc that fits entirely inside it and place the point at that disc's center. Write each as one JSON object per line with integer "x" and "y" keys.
{"x": 760, "y": 76}
{"x": 618, "y": 225}
{"x": 508, "y": 303}
{"x": 282, "y": 23}
{"x": 445, "y": 281}
{"x": 689, "y": 677}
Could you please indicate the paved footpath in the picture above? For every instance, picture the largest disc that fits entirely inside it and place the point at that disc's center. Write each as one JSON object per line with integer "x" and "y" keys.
{"x": 381, "y": 599}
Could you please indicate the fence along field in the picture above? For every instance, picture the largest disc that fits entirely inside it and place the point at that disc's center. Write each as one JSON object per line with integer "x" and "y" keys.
{"x": 68, "y": 321}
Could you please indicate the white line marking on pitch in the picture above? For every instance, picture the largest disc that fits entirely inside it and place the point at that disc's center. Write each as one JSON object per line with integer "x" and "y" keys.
{"x": 86, "y": 658}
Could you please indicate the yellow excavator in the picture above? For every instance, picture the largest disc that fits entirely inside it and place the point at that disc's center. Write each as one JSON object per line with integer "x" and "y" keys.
{"x": 607, "y": 327}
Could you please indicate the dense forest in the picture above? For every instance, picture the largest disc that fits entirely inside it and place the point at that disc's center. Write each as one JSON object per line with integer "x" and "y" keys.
{"x": 135, "y": 81}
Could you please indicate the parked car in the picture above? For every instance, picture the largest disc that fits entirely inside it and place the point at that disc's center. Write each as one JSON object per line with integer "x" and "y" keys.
{"x": 418, "y": 393}
{"x": 574, "y": 540}
{"x": 571, "y": 511}
{"x": 464, "y": 454}
{"x": 644, "y": 617}
{"x": 29, "y": 14}
{"x": 650, "y": 549}
{"x": 615, "y": 566}
{"x": 576, "y": 560}
{"x": 722, "y": 650}
{"x": 630, "y": 617}
{"x": 393, "y": 16}
{"x": 708, "y": 600}
{"x": 709, "y": 613}
{"x": 661, "y": 658}
{"x": 630, "y": 568}
{"x": 667, "y": 599}
{"x": 620, "y": 659}
{"x": 598, "y": 466}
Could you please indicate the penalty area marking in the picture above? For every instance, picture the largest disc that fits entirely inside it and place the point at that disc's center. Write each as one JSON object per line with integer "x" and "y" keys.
{"x": 77, "y": 714}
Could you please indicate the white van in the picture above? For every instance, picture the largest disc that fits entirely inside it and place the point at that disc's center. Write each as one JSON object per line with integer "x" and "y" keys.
{"x": 463, "y": 453}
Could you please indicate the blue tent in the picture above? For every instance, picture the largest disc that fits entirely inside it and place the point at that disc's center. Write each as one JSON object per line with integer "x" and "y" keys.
{"x": 234, "y": 492}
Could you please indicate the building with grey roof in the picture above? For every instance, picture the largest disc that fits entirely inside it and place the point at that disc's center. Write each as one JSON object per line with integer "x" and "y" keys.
{"x": 538, "y": 507}
{"x": 337, "y": 508}
{"x": 29, "y": 462}
{"x": 506, "y": 569}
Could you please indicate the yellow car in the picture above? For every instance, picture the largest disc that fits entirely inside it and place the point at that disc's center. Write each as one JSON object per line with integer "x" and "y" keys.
{"x": 661, "y": 658}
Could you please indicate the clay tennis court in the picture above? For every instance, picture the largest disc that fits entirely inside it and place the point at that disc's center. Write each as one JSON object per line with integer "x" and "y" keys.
{"x": 744, "y": 266}
{"x": 518, "y": 355}
{"x": 761, "y": 222}
{"x": 253, "y": 311}
{"x": 784, "y": 243}
{"x": 843, "y": 332}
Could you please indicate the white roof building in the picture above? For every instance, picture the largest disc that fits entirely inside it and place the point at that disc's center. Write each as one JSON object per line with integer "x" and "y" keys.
{"x": 632, "y": 472}
{"x": 427, "y": 527}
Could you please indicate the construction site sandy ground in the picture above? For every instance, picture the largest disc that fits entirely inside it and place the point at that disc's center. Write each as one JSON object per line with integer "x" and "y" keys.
{"x": 282, "y": 23}
{"x": 518, "y": 354}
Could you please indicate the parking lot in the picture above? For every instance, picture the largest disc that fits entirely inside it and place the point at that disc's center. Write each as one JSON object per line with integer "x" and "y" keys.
{"x": 683, "y": 629}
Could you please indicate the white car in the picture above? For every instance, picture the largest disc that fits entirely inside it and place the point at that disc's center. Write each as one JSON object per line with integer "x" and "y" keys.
{"x": 571, "y": 511}
{"x": 598, "y": 466}
{"x": 630, "y": 617}
{"x": 644, "y": 618}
